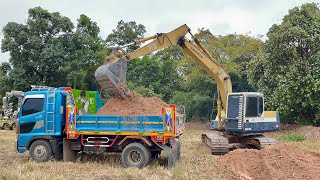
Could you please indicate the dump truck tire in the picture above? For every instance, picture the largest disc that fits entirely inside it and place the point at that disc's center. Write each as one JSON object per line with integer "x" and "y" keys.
{"x": 135, "y": 155}
{"x": 40, "y": 151}
{"x": 6, "y": 126}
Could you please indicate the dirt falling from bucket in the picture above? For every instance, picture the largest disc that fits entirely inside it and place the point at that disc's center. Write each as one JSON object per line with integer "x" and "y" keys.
{"x": 133, "y": 105}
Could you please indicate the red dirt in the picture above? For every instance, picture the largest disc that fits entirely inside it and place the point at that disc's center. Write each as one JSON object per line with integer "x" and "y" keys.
{"x": 133, "y": 105}
{"x": 275, "y": 162}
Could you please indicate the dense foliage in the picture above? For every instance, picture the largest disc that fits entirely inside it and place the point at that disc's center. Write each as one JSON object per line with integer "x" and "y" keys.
{"x": 287, "y": 68}
{"x": 47, "y": 50}
{"x": 50, "y": 50}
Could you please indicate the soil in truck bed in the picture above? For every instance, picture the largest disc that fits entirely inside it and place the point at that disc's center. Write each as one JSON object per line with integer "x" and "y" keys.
{"x": 133, "y": 105}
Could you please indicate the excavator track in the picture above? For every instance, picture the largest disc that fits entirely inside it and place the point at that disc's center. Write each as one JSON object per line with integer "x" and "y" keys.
{"x": 222, "y": 144}
{"x": 264, "y": 141}
{"x": 218, "y": 144}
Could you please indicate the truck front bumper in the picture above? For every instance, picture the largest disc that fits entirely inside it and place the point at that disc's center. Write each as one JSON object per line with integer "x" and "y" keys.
{"x": 19, "y": 149}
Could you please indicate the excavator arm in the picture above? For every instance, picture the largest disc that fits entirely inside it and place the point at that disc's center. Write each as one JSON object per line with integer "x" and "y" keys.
{"x": 111, "y": 76}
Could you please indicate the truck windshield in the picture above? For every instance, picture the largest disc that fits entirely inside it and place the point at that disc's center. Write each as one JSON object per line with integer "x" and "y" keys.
{"x": 32, "y": 105}
{"x": 233, "y": 106}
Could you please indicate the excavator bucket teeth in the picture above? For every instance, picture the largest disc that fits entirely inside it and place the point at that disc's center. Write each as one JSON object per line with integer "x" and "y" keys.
{"x": 112, "y": 77}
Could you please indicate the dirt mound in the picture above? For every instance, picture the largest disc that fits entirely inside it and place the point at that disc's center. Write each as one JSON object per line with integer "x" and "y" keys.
{"x": 133, "y": 105}
{"x": 274, "y": 162}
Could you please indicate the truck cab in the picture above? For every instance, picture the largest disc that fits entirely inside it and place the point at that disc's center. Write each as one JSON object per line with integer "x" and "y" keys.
{"x": 41, "y": 116}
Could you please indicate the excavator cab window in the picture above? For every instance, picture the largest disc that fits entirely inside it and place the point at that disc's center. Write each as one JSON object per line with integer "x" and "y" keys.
{"x": 254, "y": 106}
{"x": 233, "y": 106}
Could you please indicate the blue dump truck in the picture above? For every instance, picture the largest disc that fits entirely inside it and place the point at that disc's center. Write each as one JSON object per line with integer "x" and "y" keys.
{"x": 49, "y": 125}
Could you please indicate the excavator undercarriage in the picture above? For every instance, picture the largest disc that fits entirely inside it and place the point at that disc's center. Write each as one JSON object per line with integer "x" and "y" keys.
{"x": 222, "y": 143}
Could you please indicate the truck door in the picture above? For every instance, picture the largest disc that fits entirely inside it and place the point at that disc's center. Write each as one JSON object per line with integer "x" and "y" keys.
{"x": 31, "y": 118}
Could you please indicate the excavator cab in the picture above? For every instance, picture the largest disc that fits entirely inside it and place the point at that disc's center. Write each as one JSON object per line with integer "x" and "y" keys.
{"x": 245, "y": 115}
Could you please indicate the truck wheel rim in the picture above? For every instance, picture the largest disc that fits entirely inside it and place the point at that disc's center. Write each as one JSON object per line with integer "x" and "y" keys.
{"x": 135, "y": 157}
{"x": 40, "y": 151}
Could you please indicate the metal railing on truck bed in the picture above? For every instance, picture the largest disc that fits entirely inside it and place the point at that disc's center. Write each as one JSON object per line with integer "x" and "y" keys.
{"x": 118, "y": 125}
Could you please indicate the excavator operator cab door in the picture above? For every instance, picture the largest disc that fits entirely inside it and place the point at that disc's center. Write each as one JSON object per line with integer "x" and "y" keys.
{"x": 235, "y": 112}
{"x": 244, "y": 112}
{"x": 253, "y": 119}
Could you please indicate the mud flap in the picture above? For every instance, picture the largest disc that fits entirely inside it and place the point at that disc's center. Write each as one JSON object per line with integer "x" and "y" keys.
{"x": 173, "y": 151}
{"x": 178, "y": 151}
{"x": 68, "y": 154}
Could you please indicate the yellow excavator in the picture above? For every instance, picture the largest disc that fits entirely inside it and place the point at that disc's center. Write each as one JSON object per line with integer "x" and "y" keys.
{"x": 240, "y": 119}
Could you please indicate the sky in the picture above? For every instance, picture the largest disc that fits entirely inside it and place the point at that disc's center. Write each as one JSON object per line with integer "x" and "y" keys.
{"x": 221, "y": 17}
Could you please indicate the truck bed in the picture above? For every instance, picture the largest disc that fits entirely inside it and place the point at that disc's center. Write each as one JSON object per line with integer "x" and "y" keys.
{"x": 109, "y": 124}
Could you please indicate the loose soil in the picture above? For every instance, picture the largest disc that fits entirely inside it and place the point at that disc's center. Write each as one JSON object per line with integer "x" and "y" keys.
{"x": 280, "y": 161}
{"x": 133, "y": 105}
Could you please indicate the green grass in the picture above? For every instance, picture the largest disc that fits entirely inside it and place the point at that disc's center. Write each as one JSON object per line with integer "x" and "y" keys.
{"x": 291, "y": 137}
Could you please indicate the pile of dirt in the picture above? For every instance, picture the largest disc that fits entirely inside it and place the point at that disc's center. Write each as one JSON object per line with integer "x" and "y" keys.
{"x": 133, "y": 105}
{"x": 274, "y": 162}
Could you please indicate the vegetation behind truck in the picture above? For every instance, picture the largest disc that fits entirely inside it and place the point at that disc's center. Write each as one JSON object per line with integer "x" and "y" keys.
{"x": 50, "y": 125}
{"x": 10, "y": 109}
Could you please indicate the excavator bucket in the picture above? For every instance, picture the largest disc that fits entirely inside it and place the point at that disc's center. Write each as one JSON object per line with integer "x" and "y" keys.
{"x": 112, "y": 77}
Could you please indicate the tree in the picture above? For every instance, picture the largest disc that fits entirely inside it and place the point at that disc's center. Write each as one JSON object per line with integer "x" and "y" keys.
{"x": 287, "y": 68}
{"x": 47, "y": 51}
{"x": 125, "y": 33}
{"x": 5, "y": 82}
{"x": 36, "y": 48}
{"x": 5, "y": 67}
{"x": 233, "y": 52}
{"x": 157, "y": 72}
{"x": 87, "y": 51}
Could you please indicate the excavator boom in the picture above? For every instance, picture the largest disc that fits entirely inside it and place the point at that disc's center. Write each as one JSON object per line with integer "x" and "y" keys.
{"x": 112, "y": 75}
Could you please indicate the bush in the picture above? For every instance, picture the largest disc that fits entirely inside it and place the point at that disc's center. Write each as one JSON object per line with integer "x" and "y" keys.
{"x": 291, "y": 137}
